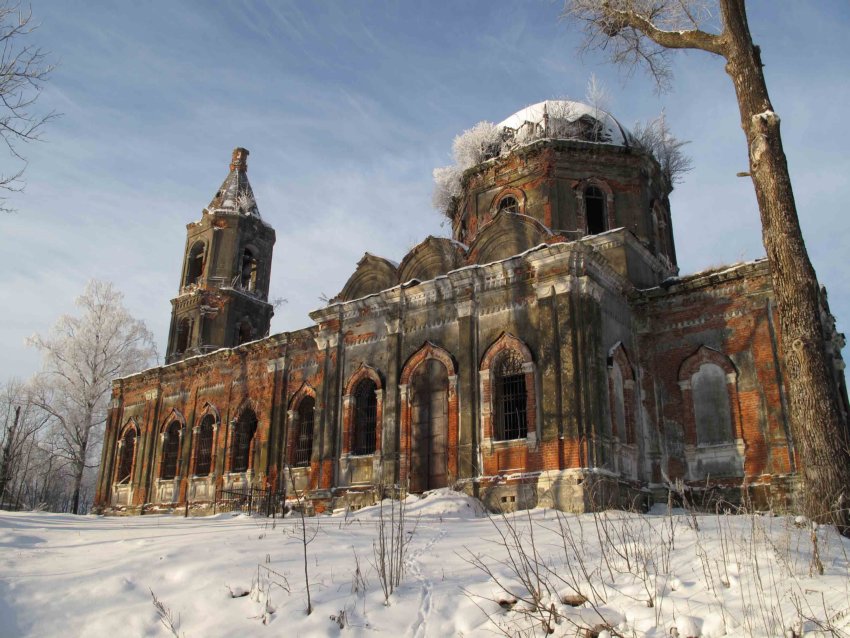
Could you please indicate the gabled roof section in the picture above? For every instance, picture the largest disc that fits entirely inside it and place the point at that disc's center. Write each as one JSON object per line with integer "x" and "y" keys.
{"x": 235, "y": 194}
{"x": 431, "y": 258}
{"x": 373, "y": 274}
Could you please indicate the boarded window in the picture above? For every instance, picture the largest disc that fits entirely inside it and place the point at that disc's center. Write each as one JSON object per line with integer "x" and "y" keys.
{"x": 618, "y": 404}
{"x": 243, "y": 435}
{"x": 511, "y": 397}
{"x": 594, "y": 206}
{"x": 125, "y": 459}
{"x": 711, "y": 405}
{"x": 365, "y": 417}
{"x": 170, "y": 451}
{"x": 205, "y": 440}
{"x": 304, "y": 441}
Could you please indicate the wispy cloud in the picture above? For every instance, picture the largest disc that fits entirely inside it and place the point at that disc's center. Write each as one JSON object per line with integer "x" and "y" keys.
{"x": 346, "y": 108}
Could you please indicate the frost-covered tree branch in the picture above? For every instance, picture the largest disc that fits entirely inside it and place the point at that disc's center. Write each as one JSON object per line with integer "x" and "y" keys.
{"x": 641, "y": 32}
{"x": 469, "y": 149}
{"x": 23, "y": 70}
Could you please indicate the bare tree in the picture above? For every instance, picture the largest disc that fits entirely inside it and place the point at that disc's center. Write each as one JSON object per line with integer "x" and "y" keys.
{"x": 82, "y": 355}
{"x": 23, "y": 70}
{"x": 21, "y": 427}
{"x": 643, "y": 32}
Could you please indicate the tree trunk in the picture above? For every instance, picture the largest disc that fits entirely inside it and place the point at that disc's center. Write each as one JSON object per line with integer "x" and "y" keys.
{"x": 79, "y": 469}
{"x": 818, "y": 428}
{"x": 6, "y": 466}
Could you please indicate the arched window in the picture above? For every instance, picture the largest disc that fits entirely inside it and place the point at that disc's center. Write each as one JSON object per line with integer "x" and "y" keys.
{"x": 304, "y": 443}
{"x": 170, "y": 451}
{"x": 511, "y": 397}
{"x": 243, "y": 435}
{"x": 509, "y": 204}
{"x": 594, "y": 207}
{"x": 248, "y": 277}
{"x": 195, "y": 264}
{"x": 184, "y": 329}
{"x": 126, "y": 455}
{"x": 712, "y": 412}
{"x": 203, "y": 460}
{"x": 365, "y": 417}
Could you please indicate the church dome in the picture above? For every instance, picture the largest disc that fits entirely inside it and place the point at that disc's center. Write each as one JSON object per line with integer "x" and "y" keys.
{"x": 565, "y": 119}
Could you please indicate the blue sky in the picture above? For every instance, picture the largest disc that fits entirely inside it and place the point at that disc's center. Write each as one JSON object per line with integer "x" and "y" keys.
{"x": 346, "y": 108}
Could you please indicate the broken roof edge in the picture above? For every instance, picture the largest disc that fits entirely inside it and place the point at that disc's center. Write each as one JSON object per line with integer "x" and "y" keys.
{"x": 707, "y": 277}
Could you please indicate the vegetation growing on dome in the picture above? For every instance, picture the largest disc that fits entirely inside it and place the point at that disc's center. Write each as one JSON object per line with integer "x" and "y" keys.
{"x": 555, "y": 119}
{"x": 655, "y": 138}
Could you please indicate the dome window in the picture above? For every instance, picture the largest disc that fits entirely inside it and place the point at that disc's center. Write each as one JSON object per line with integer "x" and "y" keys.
{"x": 509, "y": 204}
{"x": 594, "y": 206}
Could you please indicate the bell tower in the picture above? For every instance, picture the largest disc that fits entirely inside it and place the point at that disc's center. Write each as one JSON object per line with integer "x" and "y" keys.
{"x": 224, "y": 285}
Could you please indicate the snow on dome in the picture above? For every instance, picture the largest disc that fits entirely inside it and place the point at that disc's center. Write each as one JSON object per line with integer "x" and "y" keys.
{"x": 567, "y": 119}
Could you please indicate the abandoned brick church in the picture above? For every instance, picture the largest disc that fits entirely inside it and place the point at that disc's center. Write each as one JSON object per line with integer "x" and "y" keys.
{"x": 545, "y": 351}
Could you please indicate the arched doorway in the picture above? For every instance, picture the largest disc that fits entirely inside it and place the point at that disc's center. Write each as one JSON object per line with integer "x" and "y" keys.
{"x": 429, "y": 426}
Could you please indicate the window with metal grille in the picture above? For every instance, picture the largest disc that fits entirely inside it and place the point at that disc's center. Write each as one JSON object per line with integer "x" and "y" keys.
{"x": 365, "y": 417}
{"x": 594, "y": 207}
{"x": 128, "y": 451}
{"x": 242, "y": 437}
{"x": 511, "y": 398}
{"x": 304, "y": 443}
{"x": 170, "y": 450}
{"x": 205, "y": 439}
{"x": 509, "y": 204}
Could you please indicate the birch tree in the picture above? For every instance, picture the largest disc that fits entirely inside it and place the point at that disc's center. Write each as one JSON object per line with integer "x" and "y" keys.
{"x": 82, "y": 355}
{"x": 643, "y": 32}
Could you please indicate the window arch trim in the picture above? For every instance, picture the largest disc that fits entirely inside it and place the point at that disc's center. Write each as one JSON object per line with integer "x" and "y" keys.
{"x": 581, "y": 212}
{"x": 194, "y": 272}
{"x": 426, "y": 352}
{"x": 207, "y": 411}
{"x": 691, "y": 366}
{"x": 130, "y": 426}
{"x": 247, "y": 408}
{"x": 363, "y": 372}
{"x": 174, "y": 415}
{"x": 306, "y": 391}
{"x": 516, "y": 193}
{"x": 488, "y": 391}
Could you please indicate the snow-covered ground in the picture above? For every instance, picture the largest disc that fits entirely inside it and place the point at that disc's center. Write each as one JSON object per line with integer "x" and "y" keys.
{"x": 649, "y": 575}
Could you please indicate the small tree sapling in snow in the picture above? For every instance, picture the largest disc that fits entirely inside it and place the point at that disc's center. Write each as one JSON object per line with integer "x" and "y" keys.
{"x": 306, "y": 539}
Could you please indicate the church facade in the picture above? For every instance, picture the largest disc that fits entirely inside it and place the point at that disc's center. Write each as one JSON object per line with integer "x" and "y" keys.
{"x": 547, "y": 354}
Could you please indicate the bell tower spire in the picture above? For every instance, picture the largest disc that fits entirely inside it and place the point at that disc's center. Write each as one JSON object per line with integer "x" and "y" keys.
{"x": 222, "y": 300}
